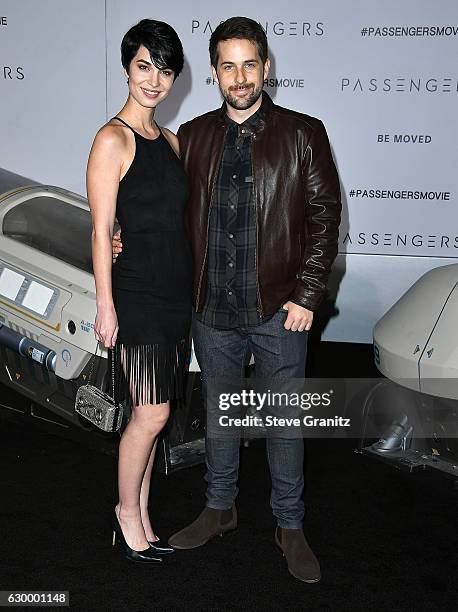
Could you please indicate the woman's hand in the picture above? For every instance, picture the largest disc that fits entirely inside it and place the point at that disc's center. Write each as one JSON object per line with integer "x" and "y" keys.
{"x": 116, "y": 245}
{"x": 106, "y": 326}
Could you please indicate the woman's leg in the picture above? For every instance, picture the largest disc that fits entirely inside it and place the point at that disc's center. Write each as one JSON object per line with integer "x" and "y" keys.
{"x": 135, "y": 451}
{"x": 144, "y": 496}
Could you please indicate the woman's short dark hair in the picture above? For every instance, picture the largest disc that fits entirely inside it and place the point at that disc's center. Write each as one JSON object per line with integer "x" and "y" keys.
{"x": 242, "y": 28}
{"x": 161, "y": 40}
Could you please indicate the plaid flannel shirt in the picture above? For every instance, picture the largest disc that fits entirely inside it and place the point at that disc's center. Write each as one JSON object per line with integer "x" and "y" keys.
{"x": 231, "y": 298}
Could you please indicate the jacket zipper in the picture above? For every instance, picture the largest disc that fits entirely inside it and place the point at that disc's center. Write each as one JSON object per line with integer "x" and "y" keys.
{"x": 208, "y": 222}
{"x": 256, "y": 221}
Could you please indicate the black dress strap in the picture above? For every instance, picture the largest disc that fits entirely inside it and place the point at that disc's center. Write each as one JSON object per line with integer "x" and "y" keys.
{"x": 126, "y": 124}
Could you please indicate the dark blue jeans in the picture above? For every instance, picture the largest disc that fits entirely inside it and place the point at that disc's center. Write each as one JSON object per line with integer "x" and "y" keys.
{"x": 278, "y": 353}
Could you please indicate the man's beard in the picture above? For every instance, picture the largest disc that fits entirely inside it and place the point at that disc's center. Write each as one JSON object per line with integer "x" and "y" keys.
{"x": 242, "y": 103}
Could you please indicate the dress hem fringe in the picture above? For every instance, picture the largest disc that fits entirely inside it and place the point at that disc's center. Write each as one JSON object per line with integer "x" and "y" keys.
{"x": 149, "y": 373}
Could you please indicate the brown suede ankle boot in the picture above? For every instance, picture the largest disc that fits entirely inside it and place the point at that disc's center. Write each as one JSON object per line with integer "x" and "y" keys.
{"x": 209, "y": 523}
{"x": 302, "y": 563}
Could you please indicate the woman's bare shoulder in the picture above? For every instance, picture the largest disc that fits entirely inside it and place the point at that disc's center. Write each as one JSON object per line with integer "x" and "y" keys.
{"x": 112, "y": 137}
{"x": 173, "y": 140}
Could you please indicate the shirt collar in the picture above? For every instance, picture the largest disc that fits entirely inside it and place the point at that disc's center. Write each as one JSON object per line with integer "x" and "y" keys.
{"x": 249, "y": 124}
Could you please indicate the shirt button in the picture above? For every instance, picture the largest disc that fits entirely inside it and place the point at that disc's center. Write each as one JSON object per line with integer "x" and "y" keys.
{"x": 231, "y": 265}
{"x": 234, "y": 176}
{"x": 231, "y": 236}
{"x": 232, "y": 206}
{"x": 229, "y": 292}
{"x": 243, "y": 131}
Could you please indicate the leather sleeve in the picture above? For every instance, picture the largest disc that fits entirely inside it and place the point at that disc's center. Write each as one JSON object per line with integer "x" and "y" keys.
{"x": 322, "y": 209}
{"x": 180, "y": 137}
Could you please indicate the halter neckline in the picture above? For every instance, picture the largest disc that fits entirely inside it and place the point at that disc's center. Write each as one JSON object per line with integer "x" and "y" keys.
{"x": 138, "y": 133}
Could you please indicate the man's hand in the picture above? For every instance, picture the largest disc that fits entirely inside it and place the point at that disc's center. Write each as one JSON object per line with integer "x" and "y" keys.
{"x": 299, "y": 318}
{"x": 116, "y": 245}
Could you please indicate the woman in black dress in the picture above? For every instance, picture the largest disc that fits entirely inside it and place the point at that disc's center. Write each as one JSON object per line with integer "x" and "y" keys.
{"x": 144, "y": 301}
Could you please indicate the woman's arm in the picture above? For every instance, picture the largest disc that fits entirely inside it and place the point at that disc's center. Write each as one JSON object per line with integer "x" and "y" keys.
{"x": 103, "y": 173}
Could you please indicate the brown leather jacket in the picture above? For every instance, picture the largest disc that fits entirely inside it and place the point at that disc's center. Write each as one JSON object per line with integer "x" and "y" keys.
{"x": 297, "y": 198}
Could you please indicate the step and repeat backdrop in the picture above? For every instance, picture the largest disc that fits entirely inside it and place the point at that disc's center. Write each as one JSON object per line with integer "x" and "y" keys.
{"x": 52, "y": 87}
{"x": 382, "y": 75}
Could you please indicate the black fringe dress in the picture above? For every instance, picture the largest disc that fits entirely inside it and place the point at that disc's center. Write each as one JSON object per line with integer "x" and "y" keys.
{"x": 152, "y": 277}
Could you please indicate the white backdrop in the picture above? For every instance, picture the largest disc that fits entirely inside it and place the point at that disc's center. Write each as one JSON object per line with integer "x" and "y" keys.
{"x": 51, "y": 113}
{"x": 382, "y": 75}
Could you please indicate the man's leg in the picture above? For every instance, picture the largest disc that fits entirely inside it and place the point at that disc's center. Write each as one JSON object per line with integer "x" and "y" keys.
{"x": 221, "y": 354}
{"x": 281, "y": 354}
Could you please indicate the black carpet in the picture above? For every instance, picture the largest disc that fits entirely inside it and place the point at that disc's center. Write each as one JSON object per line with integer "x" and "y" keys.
{"x": 386, "y": 539}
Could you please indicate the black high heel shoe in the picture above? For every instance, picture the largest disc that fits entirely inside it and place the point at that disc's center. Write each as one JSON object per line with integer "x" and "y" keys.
{"x": 161, "y": 548}
{"x": 141, "y": 556}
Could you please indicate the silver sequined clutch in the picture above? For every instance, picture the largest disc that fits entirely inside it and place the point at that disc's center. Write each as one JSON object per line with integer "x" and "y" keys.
{"x": 98, "y": 407}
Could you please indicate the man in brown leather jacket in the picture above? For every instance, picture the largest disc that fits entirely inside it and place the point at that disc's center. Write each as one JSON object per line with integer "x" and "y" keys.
{"x": 263, "y": 218}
